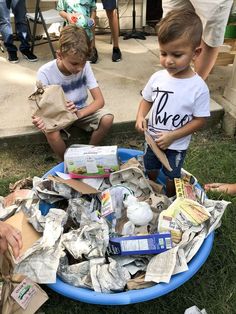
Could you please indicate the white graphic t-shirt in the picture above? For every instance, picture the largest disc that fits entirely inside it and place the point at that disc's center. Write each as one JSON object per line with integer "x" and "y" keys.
{"x": 175, "y": 103}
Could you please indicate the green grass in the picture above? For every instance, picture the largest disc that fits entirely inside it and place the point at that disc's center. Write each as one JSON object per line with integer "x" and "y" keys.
{"x": 211, "y": 157}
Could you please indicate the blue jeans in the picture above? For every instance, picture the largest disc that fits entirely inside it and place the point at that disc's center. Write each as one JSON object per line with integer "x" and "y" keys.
{"x": 175, "y": 158}
{"x": 19, "y": 10}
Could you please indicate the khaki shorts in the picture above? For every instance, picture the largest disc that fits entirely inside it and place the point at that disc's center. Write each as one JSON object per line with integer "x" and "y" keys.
{"x": 214, "y": 15}
{"x": 91, "y": 122}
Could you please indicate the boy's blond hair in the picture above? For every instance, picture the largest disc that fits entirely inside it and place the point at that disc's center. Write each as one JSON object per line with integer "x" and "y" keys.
{"x": 178, "y": 23}
{"x": 74, "y": 40}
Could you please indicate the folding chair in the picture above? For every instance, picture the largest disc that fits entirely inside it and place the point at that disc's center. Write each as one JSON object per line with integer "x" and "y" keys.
{"x": 44, "y": 17}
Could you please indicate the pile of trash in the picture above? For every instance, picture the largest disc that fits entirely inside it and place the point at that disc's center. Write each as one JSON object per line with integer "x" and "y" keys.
{"x": 109, "y": 234}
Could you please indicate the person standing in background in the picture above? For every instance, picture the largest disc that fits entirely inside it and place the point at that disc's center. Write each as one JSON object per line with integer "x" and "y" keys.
{"x": 111, "y": 10}
{"x": 214, "y": 15}
{"x": 19, "y": 10}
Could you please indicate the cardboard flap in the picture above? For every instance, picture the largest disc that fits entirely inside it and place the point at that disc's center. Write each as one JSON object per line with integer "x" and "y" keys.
{"x": 78, "y": 186}
{"x": 157, "y": 151}
{"x": 29, "y": 234}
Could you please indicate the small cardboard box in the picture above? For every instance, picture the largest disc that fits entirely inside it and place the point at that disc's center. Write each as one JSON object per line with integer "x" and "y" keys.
{"x": 145, "y": 244}
{"x": 91, "y": 161}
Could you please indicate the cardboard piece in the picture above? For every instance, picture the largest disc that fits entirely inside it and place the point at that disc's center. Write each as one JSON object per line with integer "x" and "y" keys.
{"x": 29, "y": 234}
{"x": 78, "y": 186}
{"x": 157, "y": 151}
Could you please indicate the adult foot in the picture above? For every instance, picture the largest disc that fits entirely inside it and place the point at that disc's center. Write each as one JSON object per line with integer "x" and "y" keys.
{"x": 94, "y": 55}
{"x": 12, "y": 57}
{"x": 116, "y": 54}
{"x": 27, "y": 54}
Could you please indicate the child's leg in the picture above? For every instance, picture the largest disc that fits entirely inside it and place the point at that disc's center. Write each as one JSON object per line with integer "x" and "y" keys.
{"x": 170, "y": 188}
{"x": 176, "y": 160}
{"x": 57, "y": 144}
{"x": 151, "y": 164}
{"x": 102, "y": 130}
{"x": 153, "y": 175}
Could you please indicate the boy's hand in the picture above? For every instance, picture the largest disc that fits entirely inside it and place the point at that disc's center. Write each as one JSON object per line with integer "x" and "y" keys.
{"x": 141, "y": 125}
{"x": 38, "y": 122}
{"x": 164, "y": 139}
{"x": 71, "y": 106}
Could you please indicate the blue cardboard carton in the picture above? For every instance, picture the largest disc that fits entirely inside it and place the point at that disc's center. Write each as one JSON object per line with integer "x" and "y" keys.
{"x": 137, "y": 245}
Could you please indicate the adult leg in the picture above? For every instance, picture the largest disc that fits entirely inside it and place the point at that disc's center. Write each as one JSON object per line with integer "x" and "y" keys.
{"x": 56, "y": 143}
{"x": 114, "y": 26}
{"x": 206, "y": 60}
{"x": 19, "y": 11}
{"x": 104, "y": 127}
{"x": 111, "y": 11}
{"x": 5, "y": 26}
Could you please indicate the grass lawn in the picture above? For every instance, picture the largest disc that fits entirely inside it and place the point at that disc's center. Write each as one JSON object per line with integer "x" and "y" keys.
{"x": 211, "y": 157}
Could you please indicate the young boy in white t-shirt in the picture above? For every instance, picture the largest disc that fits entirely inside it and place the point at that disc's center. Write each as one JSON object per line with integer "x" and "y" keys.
{"x": 177, "y": 98}
{"x": 73, "y": 72}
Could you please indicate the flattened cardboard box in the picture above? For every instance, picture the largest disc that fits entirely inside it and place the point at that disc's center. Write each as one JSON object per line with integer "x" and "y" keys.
{"x": 77, "y": 185}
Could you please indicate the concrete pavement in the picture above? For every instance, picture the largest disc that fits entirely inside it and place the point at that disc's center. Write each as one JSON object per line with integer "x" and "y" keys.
{"x": 120, "y": 83}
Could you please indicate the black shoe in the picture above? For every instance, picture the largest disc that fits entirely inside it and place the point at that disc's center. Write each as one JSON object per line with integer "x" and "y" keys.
{"x": 12, "y": 57}
{"x": 94, "y": 55}
{"x": 116, "y": 54}
{"x": 27, "y": 54}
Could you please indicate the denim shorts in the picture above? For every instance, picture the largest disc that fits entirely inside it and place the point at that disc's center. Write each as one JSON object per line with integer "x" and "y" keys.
{"x": 109, "y": 4}
{"x": 175, "y": 158}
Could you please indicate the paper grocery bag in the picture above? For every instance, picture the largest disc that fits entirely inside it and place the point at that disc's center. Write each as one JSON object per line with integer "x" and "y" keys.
{"x": 28, "y": 294}
{"x": 49, "y": 103}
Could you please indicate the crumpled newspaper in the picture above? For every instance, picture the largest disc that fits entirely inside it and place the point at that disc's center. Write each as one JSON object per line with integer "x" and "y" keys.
{"x": 108, "y": 276}
{"x": 89, "y": 241}
{"x": 77, "y": 274}
{"x": 52, "y": 191}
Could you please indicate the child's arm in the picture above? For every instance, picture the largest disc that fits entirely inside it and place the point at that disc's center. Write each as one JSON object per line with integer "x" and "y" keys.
{"x": 66, "y": 16}
{"x": 229, "y": 188}
{"x": 144, "y": 108}
{"x": 165, "y": 139}
{"x": 97, "y": 103}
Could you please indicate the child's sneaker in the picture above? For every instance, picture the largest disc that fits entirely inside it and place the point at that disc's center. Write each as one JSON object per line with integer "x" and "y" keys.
{"x": 12, "y": 57}
{"x": 94, "y": 55}
{"x": 27, "y": 54}
{"x": 116, "y": 54}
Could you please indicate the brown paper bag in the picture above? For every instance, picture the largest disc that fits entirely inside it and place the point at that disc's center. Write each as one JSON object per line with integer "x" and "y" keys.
{"x": 10, "y": 281}
{"x": 49, "y": 103}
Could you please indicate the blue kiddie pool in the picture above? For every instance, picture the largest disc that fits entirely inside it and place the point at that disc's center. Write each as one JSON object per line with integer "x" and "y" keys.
{"x": 132, "y": 296}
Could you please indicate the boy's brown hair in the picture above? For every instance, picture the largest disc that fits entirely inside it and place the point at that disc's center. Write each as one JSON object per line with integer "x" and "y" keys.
{"x": 178, "y": 23}
{"x": 74, "y": 40}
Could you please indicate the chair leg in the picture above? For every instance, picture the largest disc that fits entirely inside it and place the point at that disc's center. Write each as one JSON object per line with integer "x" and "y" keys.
{"x": 36, "y": 16}
{"x": 47, "y": 34}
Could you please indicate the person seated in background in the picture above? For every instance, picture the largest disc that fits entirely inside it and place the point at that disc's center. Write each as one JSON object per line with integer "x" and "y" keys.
{"x": 111, "y": 10}
{"x": 228, "y": 188}
{"x": 10, "y": 236}
{"x": 19, "y": 10}
{"x": 74, "y": 74}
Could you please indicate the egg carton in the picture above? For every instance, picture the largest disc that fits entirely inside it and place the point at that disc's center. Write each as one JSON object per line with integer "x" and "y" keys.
{"x": 134, "y": 179}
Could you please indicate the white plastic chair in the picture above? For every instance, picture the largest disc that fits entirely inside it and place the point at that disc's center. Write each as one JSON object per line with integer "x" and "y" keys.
{"x": 45, "y": 18}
